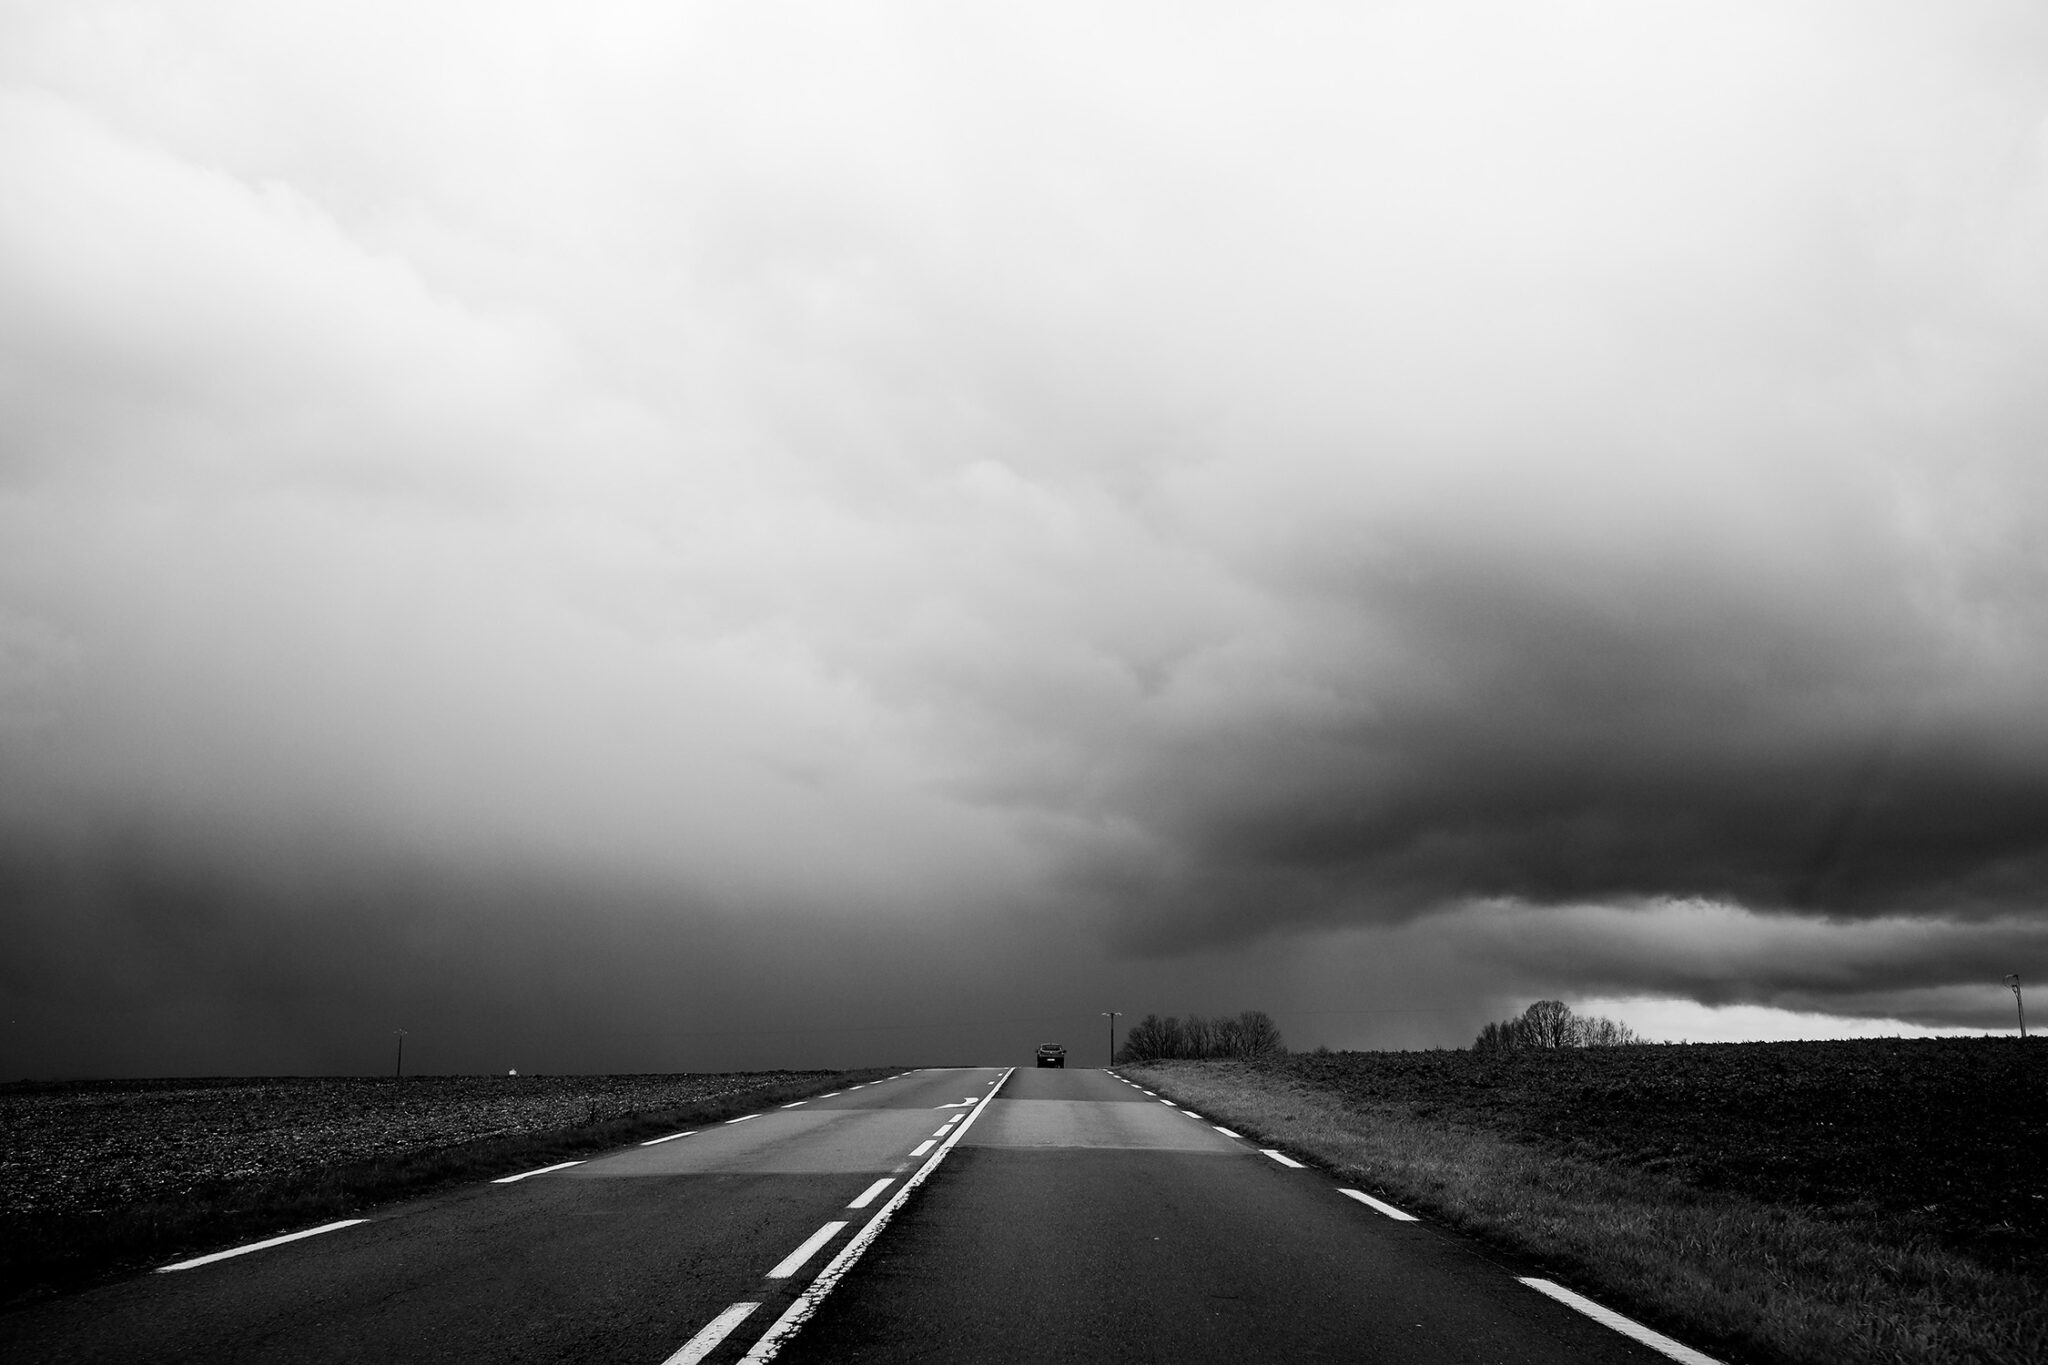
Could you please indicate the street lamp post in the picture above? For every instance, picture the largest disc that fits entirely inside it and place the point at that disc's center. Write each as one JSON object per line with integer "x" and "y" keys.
{"x": 2017, "y": 1003}
{"x": 400, "y": 1073}
{"x": 1111, "y": 1015}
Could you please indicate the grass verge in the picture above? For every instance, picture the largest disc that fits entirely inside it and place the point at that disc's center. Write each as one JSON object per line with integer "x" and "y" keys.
{"x": 1750, "y": 1280}
{"x": 49, "y": 1253}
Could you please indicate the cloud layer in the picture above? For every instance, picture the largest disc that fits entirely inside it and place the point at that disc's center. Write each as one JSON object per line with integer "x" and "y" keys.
{"x": 1168, "y": 484}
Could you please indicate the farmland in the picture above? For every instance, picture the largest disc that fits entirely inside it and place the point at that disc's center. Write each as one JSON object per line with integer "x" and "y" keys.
{"x": 98, "y": 1176}
{"x": 1868, "y": 1200}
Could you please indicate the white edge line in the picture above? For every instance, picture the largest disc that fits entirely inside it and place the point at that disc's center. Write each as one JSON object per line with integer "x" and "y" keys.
{"x": 558, "y": 1166}
{"x": 714, "y": 1331}
{"x": 790, "y": 1264}
{"x": 655, "y": 1142}
{"x": 1388, "y": 1209}
{"x": 867, "y": 1196}
{"x": 1282, "y": 1158}
{"x": 1226, "y": 1132}
{"x": 807, "y": 1302}
{"x": 1628, "y": 1327}
{"x": 259, "y": 1246}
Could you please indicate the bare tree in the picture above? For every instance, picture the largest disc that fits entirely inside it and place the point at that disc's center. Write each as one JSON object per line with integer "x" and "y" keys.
{"x": 1547, "y": 1023}
{"x": 1258, "y": 1035}
{"x": 1551, "y": 1023}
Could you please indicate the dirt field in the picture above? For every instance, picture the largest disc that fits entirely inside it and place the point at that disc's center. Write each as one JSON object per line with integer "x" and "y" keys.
{"x": 89, "y": 1146}
{"x": 1947, "y": 1137}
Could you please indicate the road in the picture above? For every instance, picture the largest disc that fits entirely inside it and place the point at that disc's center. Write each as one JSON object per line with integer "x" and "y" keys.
{"x": 1070, "y": 1217}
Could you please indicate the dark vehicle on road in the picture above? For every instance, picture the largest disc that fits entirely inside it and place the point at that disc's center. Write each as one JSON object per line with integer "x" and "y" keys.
{"x": 1052, "y": 1054}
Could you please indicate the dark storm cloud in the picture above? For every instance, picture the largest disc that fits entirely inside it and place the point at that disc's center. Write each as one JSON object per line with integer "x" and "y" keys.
{"x": 917, "y": 482}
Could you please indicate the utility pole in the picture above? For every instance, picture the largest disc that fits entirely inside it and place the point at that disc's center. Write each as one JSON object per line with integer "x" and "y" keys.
{"x": 400, "y": 1073}
{"x": 2017, "y": 1003}
{"x": 1112, "y": 1015}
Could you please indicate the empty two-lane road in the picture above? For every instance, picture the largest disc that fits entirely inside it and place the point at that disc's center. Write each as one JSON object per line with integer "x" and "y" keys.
{"x": 623, "y": 1258}
{"x": 1073, "y": 1218}
{"x": 1084, "y": 1220}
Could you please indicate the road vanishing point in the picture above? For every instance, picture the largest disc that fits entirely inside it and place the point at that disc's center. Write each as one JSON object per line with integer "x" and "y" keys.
{"x": 958, "y": 1215}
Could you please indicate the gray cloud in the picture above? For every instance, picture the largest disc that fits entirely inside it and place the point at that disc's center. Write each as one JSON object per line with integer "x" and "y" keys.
{"x": 1168, "y": 487}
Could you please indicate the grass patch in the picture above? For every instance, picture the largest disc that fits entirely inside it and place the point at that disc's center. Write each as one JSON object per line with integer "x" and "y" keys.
{"x": 1755, "y": 1279}
{"x": 55, "y": 1245}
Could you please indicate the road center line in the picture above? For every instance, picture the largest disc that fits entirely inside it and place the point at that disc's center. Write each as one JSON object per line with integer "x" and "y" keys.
{"x": 715, "y": 1331}
{"x": 1388, "y": 1209}
{"x": 653, "y": 1142}
{"x": 790, "y": 1264}
{"x": 794, "y": 1317}
{"x": 259, "y": 1246}
{"x": 1628, "y": 1327}
{"x": 867, "y": 1196}
{"x": 1282, "y": 1158}
{"x": 525, "y": 1175}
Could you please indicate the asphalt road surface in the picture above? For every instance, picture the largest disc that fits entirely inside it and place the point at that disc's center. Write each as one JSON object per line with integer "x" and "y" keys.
{"x": 961, "y": 1215}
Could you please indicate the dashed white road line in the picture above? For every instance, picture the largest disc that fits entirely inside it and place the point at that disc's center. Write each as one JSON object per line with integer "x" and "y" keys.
{"x": 527, "y": 1175}
{"x": 830, "y": 1093}
{"x": 656, "y": 1142}
{"x": 715, "y": 1331}
{"x": 1628, "y": 1327}
{"x": 794, "y": 1317}
{"x": 867, "y": 1196}
{"x": 259, "y": 1246}
{"x": 1226, "y": 1132}
{"x": 798, "y": 1105}
{"x": 790, "y": 1264}
{"x": 743, "y": 1118}
{"x": 1388, "y": 1209}
{"x": 1282, "y": 1158}
{"x": 923, "y": 1147}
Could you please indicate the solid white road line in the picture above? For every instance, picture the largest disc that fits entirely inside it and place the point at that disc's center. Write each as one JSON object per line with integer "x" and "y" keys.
{"x": 867, "y": 1196}
{"x": 743, "y": 1118}
{"x": 258, "y": 1246}
{"x": 526, "y": 1175}
{"x": 794, "y": 1317}
{"x": 1628, "y": 1327}
{"x": 1372, "y": 1203}
{"x": 923, "y": 1147}
{"x": 790, "y": 1264}
{"x": 715, "y": 1331}
{"x": 1284, "y": 1160}
{"x": 1225, "y": 1131}
{"x": 655, "y": 1142}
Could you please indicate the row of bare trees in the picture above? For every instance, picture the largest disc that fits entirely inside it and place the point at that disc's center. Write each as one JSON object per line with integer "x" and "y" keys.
{"x": 1551, "y": 1023}
{"x": 1250, "y": 1034}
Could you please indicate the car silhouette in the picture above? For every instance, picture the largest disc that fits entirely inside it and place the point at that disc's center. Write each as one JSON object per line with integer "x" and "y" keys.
{"x": 1052, "y": 1054}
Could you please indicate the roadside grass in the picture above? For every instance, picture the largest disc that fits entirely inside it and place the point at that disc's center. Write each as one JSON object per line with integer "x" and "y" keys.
{"x": 53, "y": 1252}
{"x": 1753, "y": 1281}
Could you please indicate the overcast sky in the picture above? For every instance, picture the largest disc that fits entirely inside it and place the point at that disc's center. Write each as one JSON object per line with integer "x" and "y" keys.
{"x": 654, "y": 537}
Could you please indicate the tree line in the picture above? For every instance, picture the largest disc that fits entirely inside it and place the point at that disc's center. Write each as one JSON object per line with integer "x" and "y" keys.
{"x": 1551, "y": 1023}
{"x": 1250, "y": 1034}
